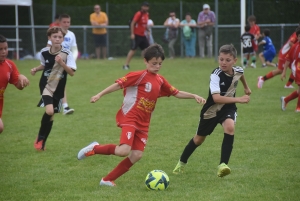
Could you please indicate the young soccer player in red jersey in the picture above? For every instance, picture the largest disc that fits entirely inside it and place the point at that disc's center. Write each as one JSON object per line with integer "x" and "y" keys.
{"x": 293, "y": 58}
{"x": 220, "y": 108}
{"x": 56, "y": 63}
{"x": 141, "y": 90}
{"x": 282, "y": 58}
{"x": 255, "y": 30}
{"x": 8, "y": 74}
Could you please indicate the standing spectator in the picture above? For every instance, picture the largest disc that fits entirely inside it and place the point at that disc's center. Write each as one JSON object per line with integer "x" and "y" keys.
{"x": 172, "y": 32}
{"x": 189, "y": 35}
{"x": 148, "y": 32}
{"x": 255, "y": 30}
{"x": 138, "y": 27}
{"x": 56, "y": 21}
{"x": 206, "y": 21}
{"x": 99, "y": 18}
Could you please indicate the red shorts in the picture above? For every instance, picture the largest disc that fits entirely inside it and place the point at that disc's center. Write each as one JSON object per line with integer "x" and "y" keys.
{"x": 281, "y": 63}
{"x": 133, "y": 137}
{"x": 296, "y": 73}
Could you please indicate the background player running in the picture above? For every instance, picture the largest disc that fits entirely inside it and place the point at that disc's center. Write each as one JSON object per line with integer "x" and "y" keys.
{"x": 247, "y": 40}
{"x": 220, "y": 108}
{"x": 8, "y": 74}
{"x": 56, "y": 62}
{"x": 141, "y": 90}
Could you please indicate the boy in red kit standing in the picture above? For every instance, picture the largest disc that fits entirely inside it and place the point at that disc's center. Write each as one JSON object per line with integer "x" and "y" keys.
{"x": 141, "y": 90}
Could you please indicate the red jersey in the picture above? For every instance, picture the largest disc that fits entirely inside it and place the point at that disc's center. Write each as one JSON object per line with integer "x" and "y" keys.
{"x": 53, "y": 24}
{"x": 286, "y": 47}
{"x": 293, "y": 57}
{"x": 255, "y": 30}
{"x": 141, "y": 90}
{"x": 8, "y": 74}
{"x": 141, "y": 20}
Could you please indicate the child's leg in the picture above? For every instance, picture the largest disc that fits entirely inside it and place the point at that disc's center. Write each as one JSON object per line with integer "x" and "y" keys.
{"x": 245, "y": 60}
{"x": 196, "y": 141}
{"x": 298, "y": 103}
{"x": 137, "y": 148}
{"x": 253, "y": 58}
{"x": 272, "y": 74}
{"x": 262, "y": 59}
{"x": 45, "y": 121}
{"x": 227, "y": 145}
{"x": 290, "y": 97}
{"x": 270, "y": 64}
{"x": 291, "y": 80}
{"x": 1, "y": 126}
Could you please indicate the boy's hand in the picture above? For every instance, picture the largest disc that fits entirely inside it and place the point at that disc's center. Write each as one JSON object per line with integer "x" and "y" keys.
{"x": 200, "y": 100}
{"x": 247, "y": 91}
{"x": 282, "y": 77}
{"x": 244, "y": 99}
{"x": 24, "y": 82}
{"x": 33, "y": 71}
{"x": 94, "y": 98}
{"x": 59, "y": 60}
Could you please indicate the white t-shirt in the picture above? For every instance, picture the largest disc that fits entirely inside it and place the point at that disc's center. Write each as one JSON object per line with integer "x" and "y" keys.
{"x": 171, "y": 21}
{"x": 69, "y": 40}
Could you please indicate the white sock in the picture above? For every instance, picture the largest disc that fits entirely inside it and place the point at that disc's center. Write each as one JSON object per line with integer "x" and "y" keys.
{"x": 65, "y": 105}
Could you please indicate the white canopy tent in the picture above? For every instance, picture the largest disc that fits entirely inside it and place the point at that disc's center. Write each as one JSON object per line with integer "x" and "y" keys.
{"x": 17, "y": 3}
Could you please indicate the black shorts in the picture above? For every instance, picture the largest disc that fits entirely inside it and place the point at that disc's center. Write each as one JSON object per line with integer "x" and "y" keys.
{"x": 47, "y": 100}
{"x": 207, "y": 126}
{"x": 139, "y": 41}
{"x": 100, "y": 40}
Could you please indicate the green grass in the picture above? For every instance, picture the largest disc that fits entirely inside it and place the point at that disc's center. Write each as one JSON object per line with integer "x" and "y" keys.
{"x": 264, "y": 163}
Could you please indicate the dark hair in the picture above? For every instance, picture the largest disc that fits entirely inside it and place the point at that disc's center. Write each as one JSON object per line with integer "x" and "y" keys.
{"x": 64, "y": 16}
{"x": 154, "y": 51}
{"x": 188, "y": 14}
{"x": 53, "y": 30}
{"x": 228, "y": 49}
{"x": 252, "y": 18}
{"x": 267, "y": 32}
{"x": 145, "y": 3}
{"x": 247, "y": 28}
{"x": 57, "y": 16}
{"x": 297, "y": 32}
{"x": 2, "y": 39}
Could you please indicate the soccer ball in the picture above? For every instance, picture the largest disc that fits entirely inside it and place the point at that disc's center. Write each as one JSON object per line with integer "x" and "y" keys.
{"x": 157, "y": 180}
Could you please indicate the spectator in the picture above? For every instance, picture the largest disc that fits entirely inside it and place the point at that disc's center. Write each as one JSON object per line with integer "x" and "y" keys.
{"x": 172, "y": 31}
{"x": 99, "y": 18}
{"x": 206, "y": 21}
{"x": 56, "y": 21}
{"x": 138, "y": 27}
{"x": 189, "y": 35}
{"x": 148, "y": 32}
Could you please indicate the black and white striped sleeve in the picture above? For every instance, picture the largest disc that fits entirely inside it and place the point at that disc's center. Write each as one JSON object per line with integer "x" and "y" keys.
{"x": 214, "y": 84}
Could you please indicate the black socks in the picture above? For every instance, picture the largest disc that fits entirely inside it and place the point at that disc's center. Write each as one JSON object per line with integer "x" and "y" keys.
{"x": 188, "y": 150}
{"x": 227, "y": 146}
{"x": 44, "y": 125}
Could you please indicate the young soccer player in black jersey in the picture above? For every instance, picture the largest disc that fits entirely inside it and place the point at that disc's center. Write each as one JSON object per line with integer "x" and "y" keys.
{"x": 219, "y": 108}
{"x": 56, "y": 63}
{"x": 247, "y": 40}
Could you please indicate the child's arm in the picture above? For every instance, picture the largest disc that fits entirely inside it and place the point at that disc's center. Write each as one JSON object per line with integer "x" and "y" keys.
{"x": 262, "y": 42}
{"x": 36, "y": 69}
{"x": 111, "y": 88}
{"x": 286, "y": 64}
{"x": 247, "y": 90}
{"x": 187, "y": 95}
{"x": 227, "y": 100}
{"x": 22, "y": 82}
{"x": 69, "y": 70}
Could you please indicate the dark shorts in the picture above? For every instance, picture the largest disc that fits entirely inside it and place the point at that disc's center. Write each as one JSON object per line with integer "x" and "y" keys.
{"x": 207, "y": 126}
{"x": 269, "y": 55}
{"x": 100, "y": 40}
{"x": 139, "y": 41}
{"x": 47, "y": 100}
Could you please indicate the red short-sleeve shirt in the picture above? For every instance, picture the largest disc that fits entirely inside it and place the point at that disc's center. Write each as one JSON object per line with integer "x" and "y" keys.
{"x": 141, "y": 90}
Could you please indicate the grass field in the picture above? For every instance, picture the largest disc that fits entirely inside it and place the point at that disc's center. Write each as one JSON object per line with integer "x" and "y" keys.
{"x": 265, "y": 161}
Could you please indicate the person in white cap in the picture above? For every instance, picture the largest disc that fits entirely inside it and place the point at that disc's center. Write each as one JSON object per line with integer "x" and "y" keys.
{"x": 206, "y": 21}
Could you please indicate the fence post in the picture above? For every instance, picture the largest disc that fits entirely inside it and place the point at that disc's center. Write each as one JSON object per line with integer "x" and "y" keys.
{"x": 282, "y": 35}
{"x": 84, "y": 41}
{"x": 107, "y": 33}
{"x": 181, "y": 42}
{"x": 216, "y": 30}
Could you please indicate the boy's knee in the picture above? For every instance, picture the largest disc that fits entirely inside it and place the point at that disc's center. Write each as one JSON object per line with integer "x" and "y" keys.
{"x": 198, "y": 140}
{"x": 137, "y": 155}
{"x": 122, "y": 151}
{"x": 49, "y": 112}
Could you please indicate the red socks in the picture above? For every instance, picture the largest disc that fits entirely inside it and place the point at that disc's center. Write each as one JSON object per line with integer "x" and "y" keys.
{"x": 291, "y": 80}
{"x": 121, "y": 168}
{"x": 291, "y": 97}
{"x": 268, "y": 76}
{"x": 108, "y": 149}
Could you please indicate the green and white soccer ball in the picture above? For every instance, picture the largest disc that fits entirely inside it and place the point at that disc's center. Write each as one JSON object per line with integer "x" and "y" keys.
{"x": 157, "y": 180}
